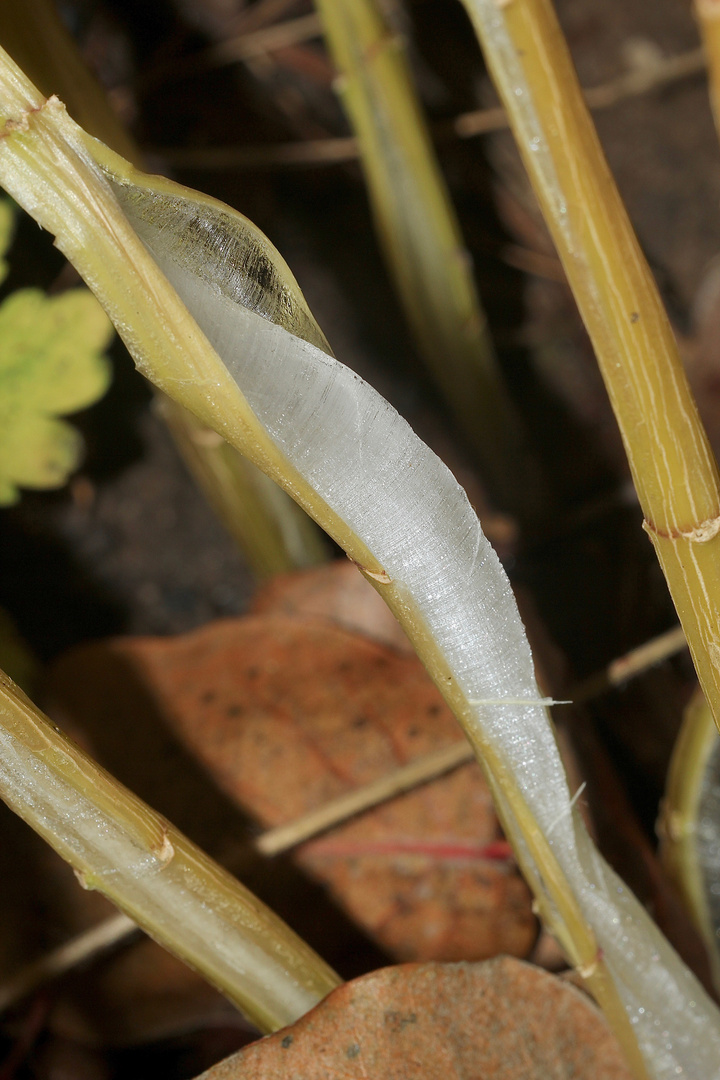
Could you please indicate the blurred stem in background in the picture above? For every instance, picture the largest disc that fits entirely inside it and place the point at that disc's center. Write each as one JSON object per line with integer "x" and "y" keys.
{"x": 271, "y": 530}
{"x": 273, "y": 533}
{"x": 421, "y": 240}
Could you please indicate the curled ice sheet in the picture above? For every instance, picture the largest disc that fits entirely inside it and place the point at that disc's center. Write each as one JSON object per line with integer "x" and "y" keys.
{"x": 372, "y": 470}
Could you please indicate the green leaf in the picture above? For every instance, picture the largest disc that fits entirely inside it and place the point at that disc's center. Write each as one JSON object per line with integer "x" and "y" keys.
{"x": 51, "y": 363}
{"x": 7, "y": 226}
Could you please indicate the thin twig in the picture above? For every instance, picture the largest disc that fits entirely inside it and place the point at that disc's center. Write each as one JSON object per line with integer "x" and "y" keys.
{"x": 532, "y": 262}
{"x": 268, "y": 39}
{"x": 333, "y": 151}
{"x": 430, "y": 766}
{"x": 707, "y": 16}
{"x": 85, "y": 946}
{"x": 31, "y": 1029}
{"x": 633, "y": 663}
{"x": 256, "y": 16}
{"x": 417, "y": 772}
{"x": 640, "y": 80}
{"x": 307, "y": 152}
{"x": 242, "y": 47}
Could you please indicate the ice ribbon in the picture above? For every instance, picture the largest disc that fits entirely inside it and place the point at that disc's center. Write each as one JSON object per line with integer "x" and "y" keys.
{"x": 368, "y": 465}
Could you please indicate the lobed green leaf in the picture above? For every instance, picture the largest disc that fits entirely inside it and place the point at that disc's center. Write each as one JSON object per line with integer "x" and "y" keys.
{"x": 51, "y": 364}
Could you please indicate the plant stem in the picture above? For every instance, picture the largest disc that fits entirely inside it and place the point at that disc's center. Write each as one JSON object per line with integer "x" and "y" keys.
{"x": 421, "y": 239}
{"x": 119, "y": 846}
{"x": 671, "y": 461}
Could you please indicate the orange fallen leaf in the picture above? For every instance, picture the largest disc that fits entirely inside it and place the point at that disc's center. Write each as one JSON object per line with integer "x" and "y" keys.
{"x": 286, "y": 714}
{"x": 502, "y": 1019}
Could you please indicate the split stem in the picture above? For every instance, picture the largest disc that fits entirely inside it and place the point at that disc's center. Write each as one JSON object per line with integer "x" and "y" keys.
{"x": 670, "y": 458}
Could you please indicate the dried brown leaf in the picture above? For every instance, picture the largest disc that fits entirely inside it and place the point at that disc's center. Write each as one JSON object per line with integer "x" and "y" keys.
{"x": 287, "y": 714}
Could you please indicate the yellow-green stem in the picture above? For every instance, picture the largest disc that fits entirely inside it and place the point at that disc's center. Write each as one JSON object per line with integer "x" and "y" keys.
{"x": 136, "y": 858}
{"x": 672, "y": 465}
